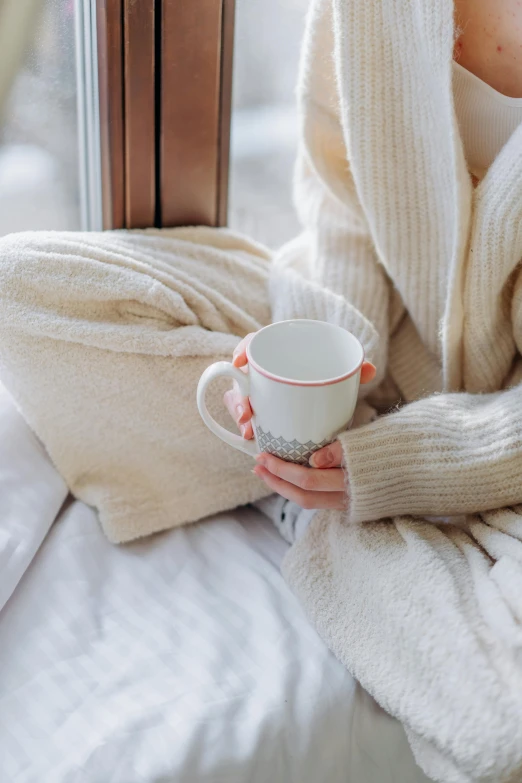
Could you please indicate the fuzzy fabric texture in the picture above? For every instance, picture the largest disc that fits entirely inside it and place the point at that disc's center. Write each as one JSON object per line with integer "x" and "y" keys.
{"x": 103, "y": 340}
{"x": 426, "y": 614}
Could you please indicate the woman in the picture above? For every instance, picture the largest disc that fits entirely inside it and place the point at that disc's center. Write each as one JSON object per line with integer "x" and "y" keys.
{"x": 489, "y": 109}
{"x": 409, "y": 188}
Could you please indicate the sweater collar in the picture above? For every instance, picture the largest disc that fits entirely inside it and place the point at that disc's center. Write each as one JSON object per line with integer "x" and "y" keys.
{"x": 395, "y": 83}
{"x": 495, "y": 250}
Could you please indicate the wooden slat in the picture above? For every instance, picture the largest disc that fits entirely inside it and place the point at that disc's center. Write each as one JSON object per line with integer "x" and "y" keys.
{"x": 191, "y": 111}
{"x": 140, "y": 113}
{"x": 110, "y": 77}
{"x": 227, "y": 60}
{"x": 171, "y": 121}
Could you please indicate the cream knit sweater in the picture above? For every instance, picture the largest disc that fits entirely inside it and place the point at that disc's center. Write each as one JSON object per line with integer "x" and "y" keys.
{"x": 430, "y": 266}
{"x": 427, "y": 616}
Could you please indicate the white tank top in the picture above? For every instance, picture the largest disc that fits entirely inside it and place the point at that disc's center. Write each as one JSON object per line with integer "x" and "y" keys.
{"x": 486, "y": 118}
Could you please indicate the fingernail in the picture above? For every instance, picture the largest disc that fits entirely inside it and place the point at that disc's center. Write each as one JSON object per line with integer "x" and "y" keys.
{"x": 239, "y": 411}
{"x": 322, "y": 459}
{"x": 242, "y": 429}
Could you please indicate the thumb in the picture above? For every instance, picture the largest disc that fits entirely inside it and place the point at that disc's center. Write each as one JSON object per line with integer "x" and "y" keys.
{"x": 330, "y": 456}
{"x": 368, "y": 372}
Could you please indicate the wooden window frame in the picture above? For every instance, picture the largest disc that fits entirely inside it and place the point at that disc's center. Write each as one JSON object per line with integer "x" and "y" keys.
{"x": 109, "y": 26}
{"x": 165, "y": 85}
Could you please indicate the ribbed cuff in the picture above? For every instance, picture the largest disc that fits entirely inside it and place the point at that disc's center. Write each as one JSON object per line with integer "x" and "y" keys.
{"x": 442, "y": 456}
{"x": 387, "y": 471}
{"x": 376, "y": 474}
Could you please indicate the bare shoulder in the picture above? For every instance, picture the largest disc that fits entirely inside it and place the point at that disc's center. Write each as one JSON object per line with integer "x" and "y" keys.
{"x": 489, "y": 42}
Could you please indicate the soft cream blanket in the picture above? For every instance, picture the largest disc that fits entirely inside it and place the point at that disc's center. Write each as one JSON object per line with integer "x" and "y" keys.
{"x": 103, "y": 338}
{"x": 102, "y": 341}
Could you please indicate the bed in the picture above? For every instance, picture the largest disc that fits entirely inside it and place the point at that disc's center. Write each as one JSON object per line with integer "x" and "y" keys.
{"x": 181, "y": 658}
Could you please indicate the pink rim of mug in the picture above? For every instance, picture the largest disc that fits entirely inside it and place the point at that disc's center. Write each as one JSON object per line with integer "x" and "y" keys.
{"x": 290, "y": 382}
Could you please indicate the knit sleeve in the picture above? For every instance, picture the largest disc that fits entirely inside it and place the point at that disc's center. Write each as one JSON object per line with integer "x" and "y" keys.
{"x": 444, "y": 455}
{"x": 336, "y": 247}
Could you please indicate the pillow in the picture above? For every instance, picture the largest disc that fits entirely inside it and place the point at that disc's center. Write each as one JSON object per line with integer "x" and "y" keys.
{"x": 31, "y": 495}
{"x": 103, "y": 338}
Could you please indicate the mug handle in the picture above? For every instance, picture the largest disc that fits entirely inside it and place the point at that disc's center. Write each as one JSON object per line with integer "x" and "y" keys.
{"x": 219, "y": 370}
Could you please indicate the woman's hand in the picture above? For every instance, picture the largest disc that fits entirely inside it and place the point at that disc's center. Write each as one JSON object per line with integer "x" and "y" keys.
{"x": 238, "y": 406}
{"x": 323, "y": 485}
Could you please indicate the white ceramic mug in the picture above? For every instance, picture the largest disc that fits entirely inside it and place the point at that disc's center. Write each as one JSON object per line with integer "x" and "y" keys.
{"x": 302, "y": 382}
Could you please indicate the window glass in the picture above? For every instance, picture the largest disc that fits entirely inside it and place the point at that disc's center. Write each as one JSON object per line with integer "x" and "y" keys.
{"x": 263, "y": 135}
{"x": 39, "y": 170}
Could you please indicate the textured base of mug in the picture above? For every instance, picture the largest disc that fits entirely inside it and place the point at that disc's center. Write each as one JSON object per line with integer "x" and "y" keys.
{"x": 291, "y": 451}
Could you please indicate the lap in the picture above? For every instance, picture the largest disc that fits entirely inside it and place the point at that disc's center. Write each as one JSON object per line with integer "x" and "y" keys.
{"x": 417, "y": 613}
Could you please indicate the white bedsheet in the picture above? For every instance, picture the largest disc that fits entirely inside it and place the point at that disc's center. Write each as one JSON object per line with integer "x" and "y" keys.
{"x": 183, "y": 658}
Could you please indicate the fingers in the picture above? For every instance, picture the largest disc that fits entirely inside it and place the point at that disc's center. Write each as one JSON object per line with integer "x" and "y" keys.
{"x": 329, "y": 457}
{"x": 240, "y": 410}
{"x": 238, "y": 406}
{"x": 239, "y": 357}
{"x": 247, "y": 431}
{"x": 303, "y": 498}
{"x": 302, "y": 476}
{"x": 308, "y": 488}
{"x": 368, "y": 371}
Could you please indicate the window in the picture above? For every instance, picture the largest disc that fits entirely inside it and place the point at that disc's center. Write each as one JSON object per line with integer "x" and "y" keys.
{"x": 116, "y": 113}
{"x": 263, "y": 134}
{"x": 43, "y": 115}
